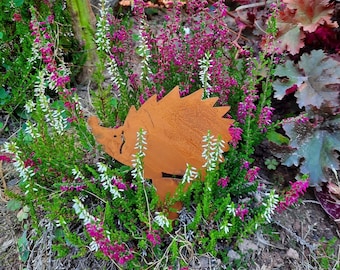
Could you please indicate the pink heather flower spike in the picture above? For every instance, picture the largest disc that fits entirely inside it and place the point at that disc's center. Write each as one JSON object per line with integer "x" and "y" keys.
{"x": 223, "y": 182}
{"x": 236, "y": 135}
{"x": 5, "y": 158}
{"x": 241, "y": 212}
{"x": 153, "y": 237}
{"x": 265, "y": 118}
{"x": 252, "y": 174}
{"x": 298, "y": 189}
{"x": 117, "y": 252}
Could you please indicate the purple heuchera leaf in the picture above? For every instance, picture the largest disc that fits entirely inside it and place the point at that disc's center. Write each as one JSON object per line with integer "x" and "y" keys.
{"x": 322, "y": 71}
{"x": 313, "y": 147}
{"x": 293, "y": 77}
{"x": 331, "y": 206}
{"x": 317, "y": 77}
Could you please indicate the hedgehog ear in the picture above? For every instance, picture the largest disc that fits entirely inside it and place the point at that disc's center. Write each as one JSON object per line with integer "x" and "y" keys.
{"x": 131, "y": 115}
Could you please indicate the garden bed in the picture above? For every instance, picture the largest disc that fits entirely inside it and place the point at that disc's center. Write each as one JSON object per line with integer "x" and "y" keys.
{"x": 69, "y": 205}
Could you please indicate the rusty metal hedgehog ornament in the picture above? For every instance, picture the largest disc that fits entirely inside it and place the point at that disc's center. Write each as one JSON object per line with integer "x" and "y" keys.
{"x": 175, "y": 127}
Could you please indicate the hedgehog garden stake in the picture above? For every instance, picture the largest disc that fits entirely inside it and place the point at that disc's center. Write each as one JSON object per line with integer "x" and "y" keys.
{"x": 175, "y": 127}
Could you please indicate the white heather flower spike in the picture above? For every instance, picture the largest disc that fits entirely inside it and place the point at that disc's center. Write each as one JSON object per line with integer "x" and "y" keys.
{"x": 270, "y": 205}
{"x": 137, "y": 161}
{"x": 75, "y": 99}
{"x": 144, "y": 52}
{"x": 161, "y": 220}
{"x": 94, "y": 246}
{"x": 190, "y": 174}
{"x": 212, "y": 151}
{"x": 113, "y": 70}
{"x": 204, "y": 74}
{"x": 102, "y": 168}
{"x": 103, "y": 44}
{"x": 40, "y": 84}
{"x": 112, "y": 188}
{"x": 82, "y": 213}
{"x": 25, "y": 173}
{"x": 30, "y": 106}
{"x": 77, "y": 174}
{"x": 103, "y": 28}
{"x": 226, "y": 227}
{"x": 58, "y": 122}
{"x": 231, "y": 209}
{"x": 31, "y": 130}
{"x": 106, "y": 180}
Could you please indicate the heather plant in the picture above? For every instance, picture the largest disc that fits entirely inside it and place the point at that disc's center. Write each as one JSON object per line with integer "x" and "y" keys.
{"x": 16, "y": 50}
{"x": 99, "y": 205}
{"x": 48, "y": 124}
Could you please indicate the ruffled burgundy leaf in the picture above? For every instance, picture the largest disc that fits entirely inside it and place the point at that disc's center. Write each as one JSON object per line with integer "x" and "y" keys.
{"x": 329, "y": 204}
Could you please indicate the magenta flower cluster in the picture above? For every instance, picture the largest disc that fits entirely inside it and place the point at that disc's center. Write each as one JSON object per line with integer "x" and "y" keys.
{"x": 6, "y": 158}
{"x": 153, "y": 237}
{"x": 252, "y": 173}
{"x": 297, "y": 189}
{"x": 223, "y": 182}
{"x": 177, "y": 48}
{"x": 265, "y": 118}
{"x": 247, "y": 107}
{"x": 241, "y": 212}
{"x": 236, "y": 135}
{"x": 78, "y": 185}
{"x": 114, "y": 251}
{"x": 31, "y": 163}
{"x": 119, "y": 184}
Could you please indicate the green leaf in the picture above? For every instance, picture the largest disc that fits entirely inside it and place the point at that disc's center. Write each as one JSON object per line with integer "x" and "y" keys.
{"x": 1, "y": 35}
{"x": 23, "y": 114}
{"x": 114, "y": 103}
{"x": 23, "y": 213}
{"x": 23, "y": 247}
{"x": 271, "y": 163}
{"x": 4, "y": 96}
{"x": 59, "y": 233}
{"x": 13, "y": 205}
{"x": 58, "y": 104}
{"x": 277, "y": 138}
{"x": 18, "y": 3}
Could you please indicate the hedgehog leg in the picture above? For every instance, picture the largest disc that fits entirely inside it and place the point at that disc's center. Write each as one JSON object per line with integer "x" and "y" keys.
{"x": 167, "y": 187}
